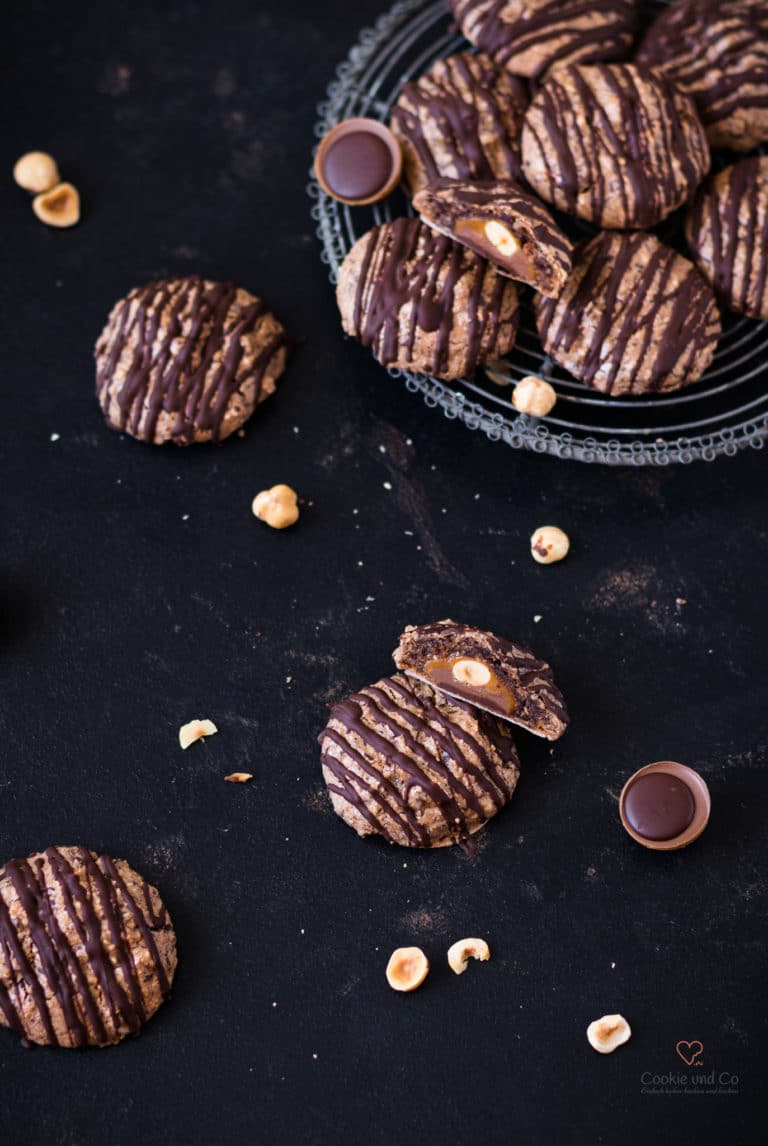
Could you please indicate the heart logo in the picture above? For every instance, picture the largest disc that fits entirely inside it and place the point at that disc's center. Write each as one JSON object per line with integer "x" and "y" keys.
{"x": 690, "y": 1052}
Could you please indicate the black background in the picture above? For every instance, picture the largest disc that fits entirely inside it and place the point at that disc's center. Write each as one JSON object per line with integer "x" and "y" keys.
{"x": 139, "y": 592}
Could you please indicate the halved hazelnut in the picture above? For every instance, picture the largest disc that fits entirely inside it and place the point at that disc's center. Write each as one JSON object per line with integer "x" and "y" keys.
{"x": 470, "y": 672}
{"x": 36, "y": 171}
{"x": 196, "y": 730}
{"x": 239, "y": 777}
{"x": 460, "y": 952}
{"x": 501, "y": 238}
{"x": 608, "y": 1033}
{"x": 407, "y": 968}
{"x": 59, "y": 207}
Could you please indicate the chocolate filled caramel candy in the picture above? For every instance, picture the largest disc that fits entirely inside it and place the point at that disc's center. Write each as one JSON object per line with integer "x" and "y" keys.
{"x": 504, "y": 224}
{"x": 665, "y": 806}
{"x": 359, "y": 162}
{"x": 488, "y": 671}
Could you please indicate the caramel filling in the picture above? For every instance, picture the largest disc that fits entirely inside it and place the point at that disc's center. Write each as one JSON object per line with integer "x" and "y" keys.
{"x": 472, "y": 680}
{"x": 496, "y": 242}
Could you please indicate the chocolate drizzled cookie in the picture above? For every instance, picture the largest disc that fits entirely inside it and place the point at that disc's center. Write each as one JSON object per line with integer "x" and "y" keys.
{"x": 489, "y": 671}
{"x": 635, "y": 317}
{"x": 727, "y": 230}
{"x": 502, "y": 223}
{"x": 422, "y": 302}
{"x": 87, "y": 949}
{"x": 717, "y": 50}
{"x": 613, "y": 144}
{"x": 530, "y": 36}
{"x": 187, "y": 360}
{"x": 405, "y": 762}
{"x": 460, "y": 120}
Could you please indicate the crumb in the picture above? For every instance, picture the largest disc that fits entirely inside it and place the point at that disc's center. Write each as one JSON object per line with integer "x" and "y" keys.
{"x": 54, "y": 437}
{"x": 387, "y": 484}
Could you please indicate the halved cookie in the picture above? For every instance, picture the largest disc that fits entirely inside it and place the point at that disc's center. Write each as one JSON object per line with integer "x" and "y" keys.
{"x": 488, "y": 671}
{"x": 504, "y": 224}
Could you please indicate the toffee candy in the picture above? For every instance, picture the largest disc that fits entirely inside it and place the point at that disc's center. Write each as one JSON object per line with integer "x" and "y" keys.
{"x": 187, "y": 360}
{"x": 405, "y": 762}
{"x": 665, "y": 806}
{"x": 422, "y": 302}
{"x": 613, "y": 144}
{"x": 359, "y": 162}
{"x": 717, "y": 50}
{"x": 87, "y": 949}
{"x": 727, "y": 231}
{"x": 460, "y": 120}
{"x": 530, "y": 36}
{"x": 634, "y": 318}
{"x": 501, "y": 223}
{"x": 494, "y": 674}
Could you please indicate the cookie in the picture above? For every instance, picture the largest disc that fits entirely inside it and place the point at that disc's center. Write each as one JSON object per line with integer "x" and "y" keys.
{"x": 717, "y": 51}
{"x": 187, "y": 360}
{"x": 405, "y": 762}
{"x": 87, "y": 949}
{"x": 492, "y": 673}
{"x": 528, "y": 37}
{"x": 460, "y": 120}
{"x": 613, "y": 144}
{"x": 504, "y": 224}
{"x": 635, "y": 317}
{"x": 727, "y": 230}
{"x": 422, "y": 302}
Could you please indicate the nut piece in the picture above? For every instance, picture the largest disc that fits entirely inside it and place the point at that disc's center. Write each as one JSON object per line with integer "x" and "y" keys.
{"x": 501, "y": 238}
{"x": 276, "y": 506}
{"x": 195, "y": 730}
{"x": 533, "y": 396}
{"x": 59, "y": 207}
{"x": 460, "y": 952}
{"x": 549, "y": 544}
{"x": 36, "y": 171}
{"x": 407, "y": 968}
{"x": 471, "y": 672}
{"x": 239, "y": 777}
{"x": 608, "y": 1033}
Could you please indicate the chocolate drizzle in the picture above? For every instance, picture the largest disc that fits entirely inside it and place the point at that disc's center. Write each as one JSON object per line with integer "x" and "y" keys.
{"x": 424, "y": 301}
{"x": 613, "y": 144}
{"x": 635, "y": 316}
{"x": 182, "y": 346}
{"x": 718, "y": 51}
{"x": 529, "y": 38}
{"x": 727, "y": 230}
{"x": 396, "y": 753}
{"x": 96, "y": 983}
{"x": 460, "y": 120}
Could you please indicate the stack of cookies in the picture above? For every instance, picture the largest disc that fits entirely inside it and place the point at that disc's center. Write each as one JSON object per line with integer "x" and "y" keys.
{"x": 548, "y": 119}
{"x": 425, "y": 758}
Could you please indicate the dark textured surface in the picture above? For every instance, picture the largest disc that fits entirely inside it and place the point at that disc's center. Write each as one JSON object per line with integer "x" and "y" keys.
{"x": 188, "y": 134}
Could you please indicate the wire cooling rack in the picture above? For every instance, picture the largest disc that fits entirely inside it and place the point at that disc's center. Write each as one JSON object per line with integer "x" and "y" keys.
{"x": 723, "y": 413}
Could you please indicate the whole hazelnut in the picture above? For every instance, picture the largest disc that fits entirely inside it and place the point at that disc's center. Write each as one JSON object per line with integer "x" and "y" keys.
{"x": 59, "y": 207}
{"x": 276, "y": 506}
{"x": 549, "y": 544}
{"x": 533, "y": 396}
{"x": 36, "y": 171}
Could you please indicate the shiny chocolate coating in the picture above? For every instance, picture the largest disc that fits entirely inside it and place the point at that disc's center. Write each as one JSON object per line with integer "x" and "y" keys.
{"x": 357, "y": 165}
{"x": 659, "y": 806}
